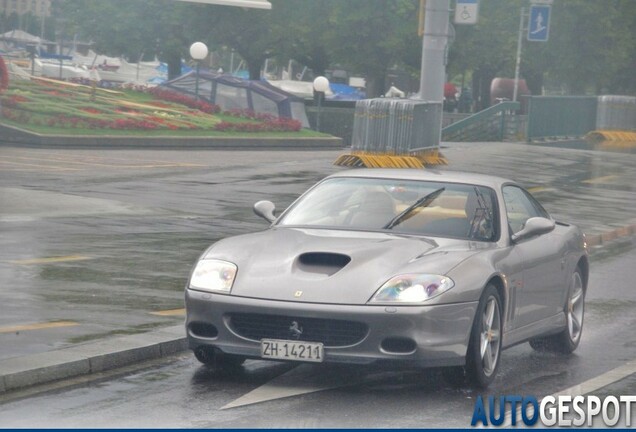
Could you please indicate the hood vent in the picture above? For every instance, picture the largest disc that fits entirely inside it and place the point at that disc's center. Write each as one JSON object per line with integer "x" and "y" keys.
{"x": 323, "y": 263}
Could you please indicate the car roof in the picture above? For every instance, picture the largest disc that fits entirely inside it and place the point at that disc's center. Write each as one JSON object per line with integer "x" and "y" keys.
{"x": 426, "y": 175}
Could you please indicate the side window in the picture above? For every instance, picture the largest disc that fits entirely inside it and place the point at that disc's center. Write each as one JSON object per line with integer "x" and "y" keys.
{"x": 542, "y": 212}
{"x": 520, "y": 207}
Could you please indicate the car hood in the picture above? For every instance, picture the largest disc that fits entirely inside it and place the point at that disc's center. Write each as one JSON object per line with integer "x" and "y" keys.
{"x": 332, "y": 266}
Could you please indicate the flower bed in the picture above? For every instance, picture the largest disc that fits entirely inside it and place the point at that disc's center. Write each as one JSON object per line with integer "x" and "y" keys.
{"x": 55, "y": 105}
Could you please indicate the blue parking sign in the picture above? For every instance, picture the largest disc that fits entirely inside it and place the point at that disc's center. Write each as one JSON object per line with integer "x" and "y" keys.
{"x": 539, "y": 23}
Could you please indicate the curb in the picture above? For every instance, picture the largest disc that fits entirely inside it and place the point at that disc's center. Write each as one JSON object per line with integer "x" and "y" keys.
{"x": 94, "y": 357}
{"x": 16, "y": 136}
{"x": 611, "y": 235}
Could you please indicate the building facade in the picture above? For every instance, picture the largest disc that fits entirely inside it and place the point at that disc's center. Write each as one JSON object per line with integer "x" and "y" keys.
{"x": 21, "y": 7}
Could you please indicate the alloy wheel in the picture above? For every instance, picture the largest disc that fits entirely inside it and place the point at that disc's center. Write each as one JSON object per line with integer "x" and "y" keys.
{"x": 490, "y": 335}
{"x": 575, "y": 308}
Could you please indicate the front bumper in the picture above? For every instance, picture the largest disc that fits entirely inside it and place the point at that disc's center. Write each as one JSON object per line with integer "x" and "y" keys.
{"x": 439, "y": 333}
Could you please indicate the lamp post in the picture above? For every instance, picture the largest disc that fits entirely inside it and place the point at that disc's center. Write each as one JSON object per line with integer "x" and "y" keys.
{"x": 198, "y": 51}
{"x": 321, "y": 85}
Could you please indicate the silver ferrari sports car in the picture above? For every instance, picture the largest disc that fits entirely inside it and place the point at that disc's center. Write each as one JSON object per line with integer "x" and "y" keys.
{"x": 423, "y": 267}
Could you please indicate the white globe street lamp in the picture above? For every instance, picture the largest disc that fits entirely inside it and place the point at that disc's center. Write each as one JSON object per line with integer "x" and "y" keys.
{"x": 321, "y": 85}
{"x": 198, "y": 51}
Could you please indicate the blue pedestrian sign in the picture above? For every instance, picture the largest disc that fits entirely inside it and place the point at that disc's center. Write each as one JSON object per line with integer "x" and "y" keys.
{"x": 539, "y": 23}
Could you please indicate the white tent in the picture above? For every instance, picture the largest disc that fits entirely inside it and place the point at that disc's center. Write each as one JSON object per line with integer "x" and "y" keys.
{"x": 23, "y": 37}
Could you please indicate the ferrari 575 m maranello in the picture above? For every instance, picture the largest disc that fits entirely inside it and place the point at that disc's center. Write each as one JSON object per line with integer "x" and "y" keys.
{"x": 427, "y": 268}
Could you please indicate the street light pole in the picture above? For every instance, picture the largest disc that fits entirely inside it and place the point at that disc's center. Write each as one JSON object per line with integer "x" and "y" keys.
{"x": 434, "y": 45}
{"x": 518, "y": 63}
{"x": 196, "y": 85}
{"x": 198, "y": 51}
{"x": 321, "y": 85}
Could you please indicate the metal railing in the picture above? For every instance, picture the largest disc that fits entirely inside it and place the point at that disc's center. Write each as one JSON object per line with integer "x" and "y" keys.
{"x": 487, "y": 125}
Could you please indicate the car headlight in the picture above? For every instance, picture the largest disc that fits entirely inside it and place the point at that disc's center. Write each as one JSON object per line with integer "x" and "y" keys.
{"x": 213, "y": 275}
{"x": 412, "y": 289}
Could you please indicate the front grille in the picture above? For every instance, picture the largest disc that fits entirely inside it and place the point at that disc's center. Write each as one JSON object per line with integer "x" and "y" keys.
{"x": 331, "y": 333}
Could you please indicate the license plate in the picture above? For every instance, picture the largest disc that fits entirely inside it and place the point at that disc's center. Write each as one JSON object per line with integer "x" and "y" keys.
{"x": 292, "y": 350}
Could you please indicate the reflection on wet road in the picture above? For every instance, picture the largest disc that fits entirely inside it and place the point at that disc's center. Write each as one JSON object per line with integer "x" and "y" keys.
{"x": 182, "y": 393}
{"x": 109, "y": 245}
{"x": 610, "y": 146}
{"x": 113, "y": 239}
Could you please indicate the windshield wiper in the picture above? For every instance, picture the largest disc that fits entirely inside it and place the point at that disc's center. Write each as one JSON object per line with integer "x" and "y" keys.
{"x": 425, "y": 201}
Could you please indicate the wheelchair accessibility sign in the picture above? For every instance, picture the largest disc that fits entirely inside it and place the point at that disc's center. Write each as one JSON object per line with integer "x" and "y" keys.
{"x": 466, "y": 11}
{"x": 539, "y": 23}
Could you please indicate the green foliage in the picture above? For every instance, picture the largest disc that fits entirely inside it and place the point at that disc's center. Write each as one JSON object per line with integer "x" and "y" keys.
{"x": 305, "y": 26}
{"x": 591, "y": 47}
{"x": 251, "y": 32}
{"x": 370, "y": 36}
{"x": 133, "y": 29}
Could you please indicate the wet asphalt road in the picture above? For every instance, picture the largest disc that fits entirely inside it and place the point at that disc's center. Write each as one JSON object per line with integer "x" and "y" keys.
{"x": 181, "y": 393}
{"x": 98, "y": 241}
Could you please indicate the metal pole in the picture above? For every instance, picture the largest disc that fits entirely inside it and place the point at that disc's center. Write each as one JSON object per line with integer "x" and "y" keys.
{"x": 518, "y": 64}
{"x": 141, "y": 56}
{"x": 434, "y": 42}
{"x": 42, "y": 25}
{"x": 196, "y": 82}
{"x": 318, "y": 115}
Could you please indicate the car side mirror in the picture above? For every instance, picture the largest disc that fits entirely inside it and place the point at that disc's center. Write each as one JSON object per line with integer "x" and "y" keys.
{"x": 265, "y": 209}
{"x": 534, "y": 226}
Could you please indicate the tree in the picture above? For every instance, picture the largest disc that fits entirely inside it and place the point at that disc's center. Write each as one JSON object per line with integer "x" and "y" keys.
{"x": 592, "y": 45}
{"x": 590, "y": 48}
{"x": 622, "y": 80}
{"x": 252, "y": 33}
{"x": 370, "y": 36}
{"x": 487, "y": 48}
{"x": 130, "y": 29}
{"x": 304, "y": 32}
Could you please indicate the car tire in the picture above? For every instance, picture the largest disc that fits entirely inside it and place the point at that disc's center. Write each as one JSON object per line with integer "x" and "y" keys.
{"x": 217, "y": 359}
{"x": 567, "y": 340}
{"x": 484, "y": 347}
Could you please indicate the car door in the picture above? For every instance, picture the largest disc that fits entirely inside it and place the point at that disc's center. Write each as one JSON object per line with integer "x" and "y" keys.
{"x": 541, "y": 260}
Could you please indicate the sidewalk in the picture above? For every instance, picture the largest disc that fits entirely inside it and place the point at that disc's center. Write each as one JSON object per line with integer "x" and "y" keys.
{"x": 99, "y": 356}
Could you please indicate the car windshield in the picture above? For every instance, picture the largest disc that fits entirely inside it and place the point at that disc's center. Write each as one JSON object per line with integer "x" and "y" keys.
{"x": 406, "y": 206}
